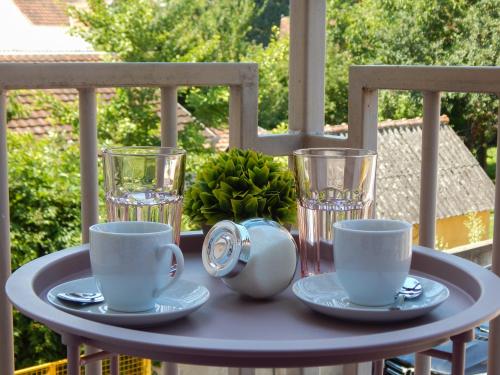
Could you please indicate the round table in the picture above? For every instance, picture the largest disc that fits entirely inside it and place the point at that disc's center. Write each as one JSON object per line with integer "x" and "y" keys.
{"x": 233, "y": 331}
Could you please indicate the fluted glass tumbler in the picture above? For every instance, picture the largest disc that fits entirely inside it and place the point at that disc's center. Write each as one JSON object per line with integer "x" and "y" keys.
{"x": 145, "y": 184}
{"x": 333, "y": 184}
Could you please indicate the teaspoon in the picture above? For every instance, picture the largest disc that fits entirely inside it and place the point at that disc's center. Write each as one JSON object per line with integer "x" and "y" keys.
{"x": 85, "y": 298}
{"x": 411, "y": 289}
{"x": 81, "y": 298}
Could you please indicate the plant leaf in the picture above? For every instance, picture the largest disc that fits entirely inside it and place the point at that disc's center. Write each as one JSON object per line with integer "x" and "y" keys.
{"x": 207, "y": 199}
{"x": 251, "y": 206}
{"x": 223, "y": 198}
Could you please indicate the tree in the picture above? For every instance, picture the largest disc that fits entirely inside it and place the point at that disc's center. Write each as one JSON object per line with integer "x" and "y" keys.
{"x": 44, "y": 191}
{"x": 148, "y": 30}
{"x": 416, "y": 32}
{"x": 273, "y": 79}
{"x": 269, "y": 16}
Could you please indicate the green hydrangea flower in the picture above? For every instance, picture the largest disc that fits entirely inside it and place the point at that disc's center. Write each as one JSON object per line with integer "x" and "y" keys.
{"x": 238, "y": 185}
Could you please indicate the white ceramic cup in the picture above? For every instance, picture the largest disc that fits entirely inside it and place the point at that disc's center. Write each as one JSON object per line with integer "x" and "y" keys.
{"x": 372, "y": 258}
{"x": 131, "y": 262}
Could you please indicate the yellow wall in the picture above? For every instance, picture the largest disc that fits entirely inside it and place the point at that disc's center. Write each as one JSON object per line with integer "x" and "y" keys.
{"x": 452, "y": 231}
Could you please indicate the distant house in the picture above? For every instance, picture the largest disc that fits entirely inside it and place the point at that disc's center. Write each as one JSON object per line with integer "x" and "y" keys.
{"x": 37, "y": 27}
{"x": 465, "y": 192}
{"x": 38, "y": 121}
{"x": 42, "y": 36}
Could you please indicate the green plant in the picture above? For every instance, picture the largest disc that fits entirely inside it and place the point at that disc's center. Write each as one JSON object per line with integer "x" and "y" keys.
{"x": 241, "y": 184}
{"x": 44, "y": 191}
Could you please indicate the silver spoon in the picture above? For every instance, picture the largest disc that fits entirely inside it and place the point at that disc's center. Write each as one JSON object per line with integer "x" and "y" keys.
{"x": 81, "y": 298}
{"x": 85, "y": 298}
{"x": 411, "y": 289}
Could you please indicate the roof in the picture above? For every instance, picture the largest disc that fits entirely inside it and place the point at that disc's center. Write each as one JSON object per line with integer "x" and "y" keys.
{"x": 220, "y": 137}
{"x": 463, "y": 186}
{"x": 38, "y": 122}
{"x": 52, "y": 57}
{"x": 37, "y": 26}
{"x": 44, "y": 12}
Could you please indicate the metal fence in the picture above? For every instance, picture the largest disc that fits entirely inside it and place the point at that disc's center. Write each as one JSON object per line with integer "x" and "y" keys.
{"x": 128, "y": 366}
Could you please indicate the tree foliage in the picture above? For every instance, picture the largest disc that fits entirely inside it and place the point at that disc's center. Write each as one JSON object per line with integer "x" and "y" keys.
{"x": 44, "y": 191}
{"x": 273, "y": 79}
{"x": 174, "y": 31}
{"x": 421, "y": 32}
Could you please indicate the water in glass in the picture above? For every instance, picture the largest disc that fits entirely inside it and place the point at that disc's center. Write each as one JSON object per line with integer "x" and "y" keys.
{"x": 332, "y": 184}
{"x": 146, "y": 206}
{"x": 315, "y": 220}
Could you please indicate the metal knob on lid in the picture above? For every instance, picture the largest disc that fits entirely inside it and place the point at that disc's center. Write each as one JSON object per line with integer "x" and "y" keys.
{"x": 226, "y": 249}
{"x": 256, "y": 257}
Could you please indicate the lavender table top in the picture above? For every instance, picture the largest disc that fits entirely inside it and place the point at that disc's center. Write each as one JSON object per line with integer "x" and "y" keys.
{"x": 282, "y": 332}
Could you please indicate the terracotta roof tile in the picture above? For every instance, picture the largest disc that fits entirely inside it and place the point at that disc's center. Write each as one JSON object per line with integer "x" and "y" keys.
{"x": 44, "y": 12}
{"x": 463, "y": 186}
{"x": 56, "y": 57}
{"x": 38, "y": 121}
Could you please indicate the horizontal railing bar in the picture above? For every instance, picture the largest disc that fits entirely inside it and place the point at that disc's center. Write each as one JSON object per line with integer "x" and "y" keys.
{"x": 97, "y": 356}
{"x": 314, "y": 141}
{"x": 278, "y": 144}
{"x": 93, "y": 75}
{"x": 427, "y": 78}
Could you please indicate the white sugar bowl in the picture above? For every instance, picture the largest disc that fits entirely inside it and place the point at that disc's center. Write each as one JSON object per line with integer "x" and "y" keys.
{"x": 257, "y": 257}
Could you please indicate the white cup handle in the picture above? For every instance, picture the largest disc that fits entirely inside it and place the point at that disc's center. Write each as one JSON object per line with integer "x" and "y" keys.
{"x": 180, "y": 267}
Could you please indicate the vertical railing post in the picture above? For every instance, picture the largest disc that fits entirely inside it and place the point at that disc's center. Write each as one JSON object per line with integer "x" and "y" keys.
{"x": 169, "y": 116}
{"x": 168, "y": 136}
{"x": 362, "y": 114}
{"x": 88, "y": 160}
{"x": 235, "y": 128}
{"x": 429, "y": 169}
{"x": 88, "y": 179}
{"x": 243, "y": 116}
{"x": 306, "y": 99}
{"x": 428, "y": 189}
{"x": 494, "y": 337}
{"x": 6, "y": 328}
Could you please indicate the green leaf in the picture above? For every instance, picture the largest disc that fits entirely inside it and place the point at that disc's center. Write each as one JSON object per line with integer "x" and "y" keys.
{"x": 223, "y": 199}
{"x": 238, "y": 208}
{"x": 229, "y": 168}
{"x": 207, "y": 199}
{"x": 260, "y": 176}
{"x": 238, "y": 183}
{"x": 251, "y": 163}
{"x": 226, "y": 187}
{"x": 261, "y": 205}
{"x": 251, "y": 206}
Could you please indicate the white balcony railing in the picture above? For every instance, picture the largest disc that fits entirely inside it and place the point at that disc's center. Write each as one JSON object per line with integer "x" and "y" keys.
{"x": 242, "y": 79}
{"x": 364, "y": 83}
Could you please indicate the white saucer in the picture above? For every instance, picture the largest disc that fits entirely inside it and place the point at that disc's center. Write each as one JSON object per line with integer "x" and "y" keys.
{"x": 324, "y": 294}
{"x": 183, "y": 298}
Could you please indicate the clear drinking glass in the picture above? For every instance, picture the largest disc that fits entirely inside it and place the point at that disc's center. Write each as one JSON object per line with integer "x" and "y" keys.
{"x": 333, "y": 184}
{"x": 145, "y": 184}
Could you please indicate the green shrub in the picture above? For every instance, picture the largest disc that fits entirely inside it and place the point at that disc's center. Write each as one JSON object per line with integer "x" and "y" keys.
{"x": 44, "y": 190}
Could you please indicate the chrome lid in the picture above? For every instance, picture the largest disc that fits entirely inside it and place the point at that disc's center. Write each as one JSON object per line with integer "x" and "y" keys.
{"x": 226, "y": 249}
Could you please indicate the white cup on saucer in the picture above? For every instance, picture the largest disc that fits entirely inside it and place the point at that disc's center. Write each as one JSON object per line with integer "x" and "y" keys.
{"x": 131, "y": 262}
{"x": 372, "y": 258}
